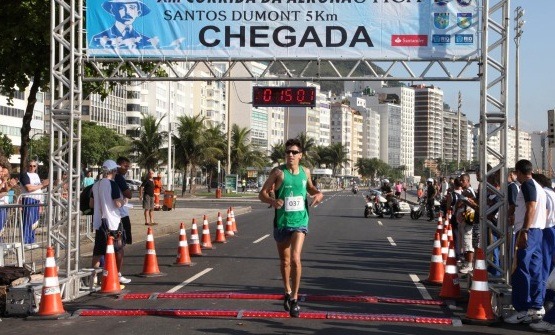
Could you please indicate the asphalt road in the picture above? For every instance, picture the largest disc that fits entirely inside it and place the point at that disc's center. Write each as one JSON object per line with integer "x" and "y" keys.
{"x": 345, "y": 255}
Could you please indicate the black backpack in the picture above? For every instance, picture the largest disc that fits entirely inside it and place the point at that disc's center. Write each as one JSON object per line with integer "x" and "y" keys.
{"x": 84, "y": 198}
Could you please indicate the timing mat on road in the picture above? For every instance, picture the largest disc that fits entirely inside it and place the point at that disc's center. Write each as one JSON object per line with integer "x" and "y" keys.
{"x": 262, "y": 296}
{"x": 243, "y": 314}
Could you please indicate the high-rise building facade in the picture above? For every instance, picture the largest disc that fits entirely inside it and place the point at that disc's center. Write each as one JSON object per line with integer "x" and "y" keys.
{"x": 455, "y": 137}
{"x": 342, "y": 132}
{"x": 428, "y": 122}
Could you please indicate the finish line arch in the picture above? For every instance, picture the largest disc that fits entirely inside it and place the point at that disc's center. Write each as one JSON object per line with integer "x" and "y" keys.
{"x": 70, "y": 58}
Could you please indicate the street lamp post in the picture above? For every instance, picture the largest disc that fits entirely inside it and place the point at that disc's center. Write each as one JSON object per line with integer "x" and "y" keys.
{"x": 519, "y": 23}
{"x": 170, "y": 170}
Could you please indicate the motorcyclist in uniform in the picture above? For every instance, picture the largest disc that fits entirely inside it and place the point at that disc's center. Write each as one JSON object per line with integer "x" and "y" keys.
{"x": 388, "y": 193}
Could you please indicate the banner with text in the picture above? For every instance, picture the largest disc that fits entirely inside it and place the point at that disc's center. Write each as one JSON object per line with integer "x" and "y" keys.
{"x": 284, "y": 29}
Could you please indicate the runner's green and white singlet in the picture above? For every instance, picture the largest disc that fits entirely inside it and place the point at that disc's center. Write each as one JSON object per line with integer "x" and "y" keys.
{"x": 294, "y": 212}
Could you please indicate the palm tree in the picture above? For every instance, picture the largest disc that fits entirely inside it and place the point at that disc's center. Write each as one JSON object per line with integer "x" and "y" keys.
{"x": 215, "y": 151}
{"x": 243, "y": 153}
{"x": 277, "y": 154}
{"x": 338, "y": 156}
{"x": 190, "y": 145}
{"x": 307, "y": 143}
{"x": 321, "y": 156}
{"x": 148, "y": 144}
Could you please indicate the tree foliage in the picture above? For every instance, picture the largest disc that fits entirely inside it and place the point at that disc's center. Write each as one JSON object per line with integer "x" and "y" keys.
{"x": 307, "y": 144}
{"x": 243, "y": 152}
{"x": 6, "y": 146}
{"x": 190, "y": 143}
{"x": 147, "y": 146}
{"x": 25, "y": 54}
{"x": 99, "y": 143}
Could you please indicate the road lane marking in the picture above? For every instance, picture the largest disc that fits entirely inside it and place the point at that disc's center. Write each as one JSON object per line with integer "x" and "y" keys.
{"x": 190, "y": 280}
{"x": 421, "y": 288}
{"x": 260, "y": 239}
{"x": 380, "y": 223}
{"x": 391, "y": 241}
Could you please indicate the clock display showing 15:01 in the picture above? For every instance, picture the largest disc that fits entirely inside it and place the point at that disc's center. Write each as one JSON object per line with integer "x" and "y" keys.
{"x": 279, "y": 96}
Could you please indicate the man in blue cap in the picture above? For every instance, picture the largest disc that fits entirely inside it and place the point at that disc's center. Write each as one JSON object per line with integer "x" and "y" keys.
{"x": 122, "y": 35}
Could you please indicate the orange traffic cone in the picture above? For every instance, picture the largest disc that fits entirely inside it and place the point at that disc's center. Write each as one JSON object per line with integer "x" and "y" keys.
{"x": 229, "y": 225}
{"x": 194, "y": 246}
{"x": 479, "y": 308}
{"x": 51, "y": 300}
{"x": 233, "y": 222}
{"x": 444, "y": 245}
{"x": 110, "y": 279}
{"x": 183, "y": 258}
{"x": 150, "y": 265}
{"x": 220, "y": 235}
{"x": 449, "y": 232}
{"x": 451, "y": 288}
{"x": 436, "y": 265}
{"x": 439, "y": 229}
{"x": 206, "y": 240}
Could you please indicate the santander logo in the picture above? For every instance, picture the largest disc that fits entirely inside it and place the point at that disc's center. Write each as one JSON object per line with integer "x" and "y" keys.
{"x": 409, "y": 40}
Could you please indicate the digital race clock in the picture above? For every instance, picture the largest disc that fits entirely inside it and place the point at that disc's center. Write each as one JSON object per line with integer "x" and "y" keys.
{"x": 274, "y": 96}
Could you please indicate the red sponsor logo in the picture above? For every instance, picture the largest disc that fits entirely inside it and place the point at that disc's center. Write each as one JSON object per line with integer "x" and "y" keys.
{"x": 409, "y": 40}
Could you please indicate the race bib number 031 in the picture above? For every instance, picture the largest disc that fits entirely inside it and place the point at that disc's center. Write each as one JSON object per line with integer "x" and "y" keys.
{"x": 294, "y": 204}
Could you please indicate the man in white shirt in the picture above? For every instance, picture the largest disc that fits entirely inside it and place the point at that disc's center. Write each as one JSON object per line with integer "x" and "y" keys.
{"x": 106, "y": 200}
{"x": 530, "y": 219}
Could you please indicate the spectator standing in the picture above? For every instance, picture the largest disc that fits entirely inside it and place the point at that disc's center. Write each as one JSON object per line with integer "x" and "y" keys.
{"x": 106, "y": 200}
{"x": 530, "y": 219}
{"x": 157, "y": 190}
{"x": 6, "y": 184}
{"x": 398, "y": 189}
{"x": 548, "y": 322}
{"x": 243, "y": 185}
{"x": 123, "y": 167}
{"x": 31, "y": 194}
{"x": 512, "y": 190}
{"x": 466, "y": 210}
{"x": 453, "y": 196}
{"x": 146, "y": 193}
{"x": 88, "y": 180}
{"x": 444, "y": 187}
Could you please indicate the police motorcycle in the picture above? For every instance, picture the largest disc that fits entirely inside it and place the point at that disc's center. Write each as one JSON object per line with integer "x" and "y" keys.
{"x": 379, "y": 205}
{"x": 420, "y": 209}
{"x": 373, "y": 200}
{"x": 355, "y": 189}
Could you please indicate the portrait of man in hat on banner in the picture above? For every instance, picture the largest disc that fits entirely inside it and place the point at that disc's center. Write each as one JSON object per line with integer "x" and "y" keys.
{"x": 122, "y": 35}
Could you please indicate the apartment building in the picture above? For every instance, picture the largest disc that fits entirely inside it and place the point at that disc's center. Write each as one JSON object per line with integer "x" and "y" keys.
{"x": 11, "y": 117}
{"x": 428, "y": 122}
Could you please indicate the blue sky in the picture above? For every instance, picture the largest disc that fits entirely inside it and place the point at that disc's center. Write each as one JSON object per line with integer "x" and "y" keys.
{"x": 537, "y": 70}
